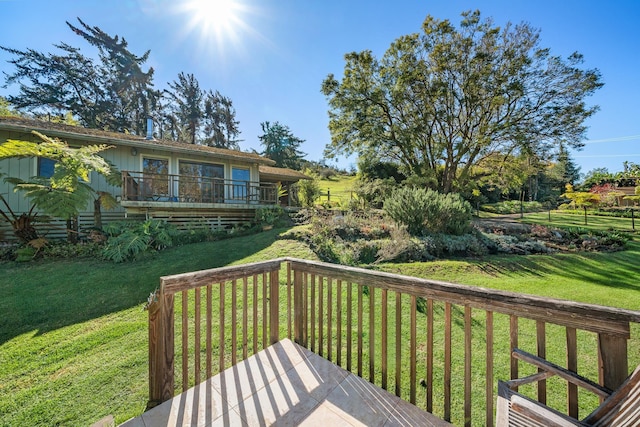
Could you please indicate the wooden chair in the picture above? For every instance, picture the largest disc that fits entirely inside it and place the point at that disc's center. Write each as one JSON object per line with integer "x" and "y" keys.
{"x": 619, "y": 408}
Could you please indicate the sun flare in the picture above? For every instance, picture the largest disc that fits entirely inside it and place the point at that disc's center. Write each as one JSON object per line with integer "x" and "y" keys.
{"x": 220, "y": 24}
{"x": 217, "y": 16}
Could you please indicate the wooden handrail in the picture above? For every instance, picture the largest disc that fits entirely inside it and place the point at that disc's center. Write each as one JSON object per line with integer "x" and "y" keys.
{"x": 154, "y": 187}
{"x": 590, "y": 317}
{"x": 324, "y": 310}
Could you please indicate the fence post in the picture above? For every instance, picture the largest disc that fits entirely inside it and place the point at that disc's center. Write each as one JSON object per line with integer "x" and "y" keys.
{"x": 161, "y": 348}
{"x": 612, "y": 358}
{"x": 298, "y": 308}
{"x": 274, "y": 309}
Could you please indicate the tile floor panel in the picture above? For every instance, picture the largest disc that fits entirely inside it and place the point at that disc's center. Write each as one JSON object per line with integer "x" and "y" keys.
{"x": 285, "y": 385}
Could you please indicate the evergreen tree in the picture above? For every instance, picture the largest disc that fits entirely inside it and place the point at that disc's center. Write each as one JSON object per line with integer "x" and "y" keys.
{"x": 186, "y": 106}
{"x": 281, "y": 145}
{"x": 220, "y": 126}
{"x": 112, "y": 93}
{"x": 570, "y": 171}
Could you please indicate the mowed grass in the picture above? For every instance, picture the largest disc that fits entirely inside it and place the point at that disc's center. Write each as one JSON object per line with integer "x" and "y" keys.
{"x": 73, "y": 335}
{"x": 340, "y": 189}
{"x": 562, "y": 219}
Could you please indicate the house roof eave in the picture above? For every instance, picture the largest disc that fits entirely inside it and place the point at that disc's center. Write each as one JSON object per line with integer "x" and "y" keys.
{"x": 113, "y": 138}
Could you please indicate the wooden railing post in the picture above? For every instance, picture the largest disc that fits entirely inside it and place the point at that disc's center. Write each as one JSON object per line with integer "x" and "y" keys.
{"x": 298, "y": 308}
{"x": 274, "y": 309}
{"x": 161, "y": 349}
{"x": 612, "y": 358}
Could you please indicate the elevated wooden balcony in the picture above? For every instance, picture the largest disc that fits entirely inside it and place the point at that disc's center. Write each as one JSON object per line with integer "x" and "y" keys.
{"x": 148, "y": 190}
{"x": 438, "y": 346}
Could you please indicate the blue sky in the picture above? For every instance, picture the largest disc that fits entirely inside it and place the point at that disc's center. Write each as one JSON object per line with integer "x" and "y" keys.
{"x": 270, "y": 56}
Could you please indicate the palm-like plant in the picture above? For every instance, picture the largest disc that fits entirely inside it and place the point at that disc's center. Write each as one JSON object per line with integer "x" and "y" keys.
{"x": 66, "y": 192}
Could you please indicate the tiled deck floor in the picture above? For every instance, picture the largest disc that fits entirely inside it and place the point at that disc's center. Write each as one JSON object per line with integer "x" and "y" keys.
{"x": 285, "y": 385}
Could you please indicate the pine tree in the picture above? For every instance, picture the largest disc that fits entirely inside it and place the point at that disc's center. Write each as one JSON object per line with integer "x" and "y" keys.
{"x": 281, "y": 145}
{"x": 111, "y": 93}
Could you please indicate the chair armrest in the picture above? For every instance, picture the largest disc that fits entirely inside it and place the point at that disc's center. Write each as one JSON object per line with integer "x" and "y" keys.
{"x": 515, "y": 383}
{"x": 554, "y": 369}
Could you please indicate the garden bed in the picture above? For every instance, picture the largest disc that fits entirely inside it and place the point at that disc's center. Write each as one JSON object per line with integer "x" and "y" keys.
{"x": 369, "y": 238}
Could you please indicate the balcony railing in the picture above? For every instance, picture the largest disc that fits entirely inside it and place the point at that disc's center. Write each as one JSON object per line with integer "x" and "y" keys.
{"x": 151, "y": 187}
{"x": 438, "y": 345}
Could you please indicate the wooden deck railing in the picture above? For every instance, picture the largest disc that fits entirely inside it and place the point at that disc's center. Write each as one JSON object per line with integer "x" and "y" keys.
{"x": 438, "y": 345}
{"x": 153, "y": 187}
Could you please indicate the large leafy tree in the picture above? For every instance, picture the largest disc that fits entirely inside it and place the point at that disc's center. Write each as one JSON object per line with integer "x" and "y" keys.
{"x": 597, "y": 176}
{"x": 5, "y": 108}
{"x": 66, "y": 192}
{"x": 112, "y": 93}
{"x": 439, "y": 102}
{"x": 281, "y": 145}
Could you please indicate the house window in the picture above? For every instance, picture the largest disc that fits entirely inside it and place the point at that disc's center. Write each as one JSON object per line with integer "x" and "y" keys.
{"x": 241, "y": 178}
{"x": 201, "y": 182}
{"x": 155, "y": 178}
{"x": 45, "y": 167}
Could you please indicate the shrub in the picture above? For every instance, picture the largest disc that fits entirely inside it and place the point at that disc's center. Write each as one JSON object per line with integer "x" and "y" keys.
{"x": 350, "y": 239}
{"x": 268, "y": 215}
{"x": 462, "y": 245}
{"x": 308, "y": 191}
{"x": 512, "y": 207}
{"x": 426, "y": 211}
{"x": 401, "y": 247}
{"x": 68, "y": 250}
{"x": 371, "y": 193}
{"x": 512, "y": 245}
{"x": 127, "y": 240}
{"x": 7, "y": 252}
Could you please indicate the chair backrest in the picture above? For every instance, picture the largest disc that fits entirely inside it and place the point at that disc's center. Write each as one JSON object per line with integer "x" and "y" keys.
{"x": 622, "y": 408}
{"x": 516, "y": 410}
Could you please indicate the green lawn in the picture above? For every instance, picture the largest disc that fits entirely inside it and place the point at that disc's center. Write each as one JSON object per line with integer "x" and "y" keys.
{"x": 73, "y": 337}
{"x": 339, "y": 189}
{"x": 573, "y": 220}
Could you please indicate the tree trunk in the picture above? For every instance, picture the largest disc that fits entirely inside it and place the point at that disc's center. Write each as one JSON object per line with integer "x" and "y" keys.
{"x": 97, "y": 213}
{"x": 23, "y": 228}
{"x": 72, "y": 230}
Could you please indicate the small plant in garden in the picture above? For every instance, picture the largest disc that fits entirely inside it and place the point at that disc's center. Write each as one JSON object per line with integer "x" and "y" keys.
{"x": 25, "y": 254}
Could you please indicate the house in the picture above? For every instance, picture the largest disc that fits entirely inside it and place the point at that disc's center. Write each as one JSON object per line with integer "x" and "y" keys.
{"x": 285, "y": 178}
{"x": 623, "y": 194}
{"x": 189, "y": 185}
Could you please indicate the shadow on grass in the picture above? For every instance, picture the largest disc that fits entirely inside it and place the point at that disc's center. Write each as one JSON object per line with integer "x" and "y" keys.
{"x": 46, "y": 295}
{"x": 612, "y": 270}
